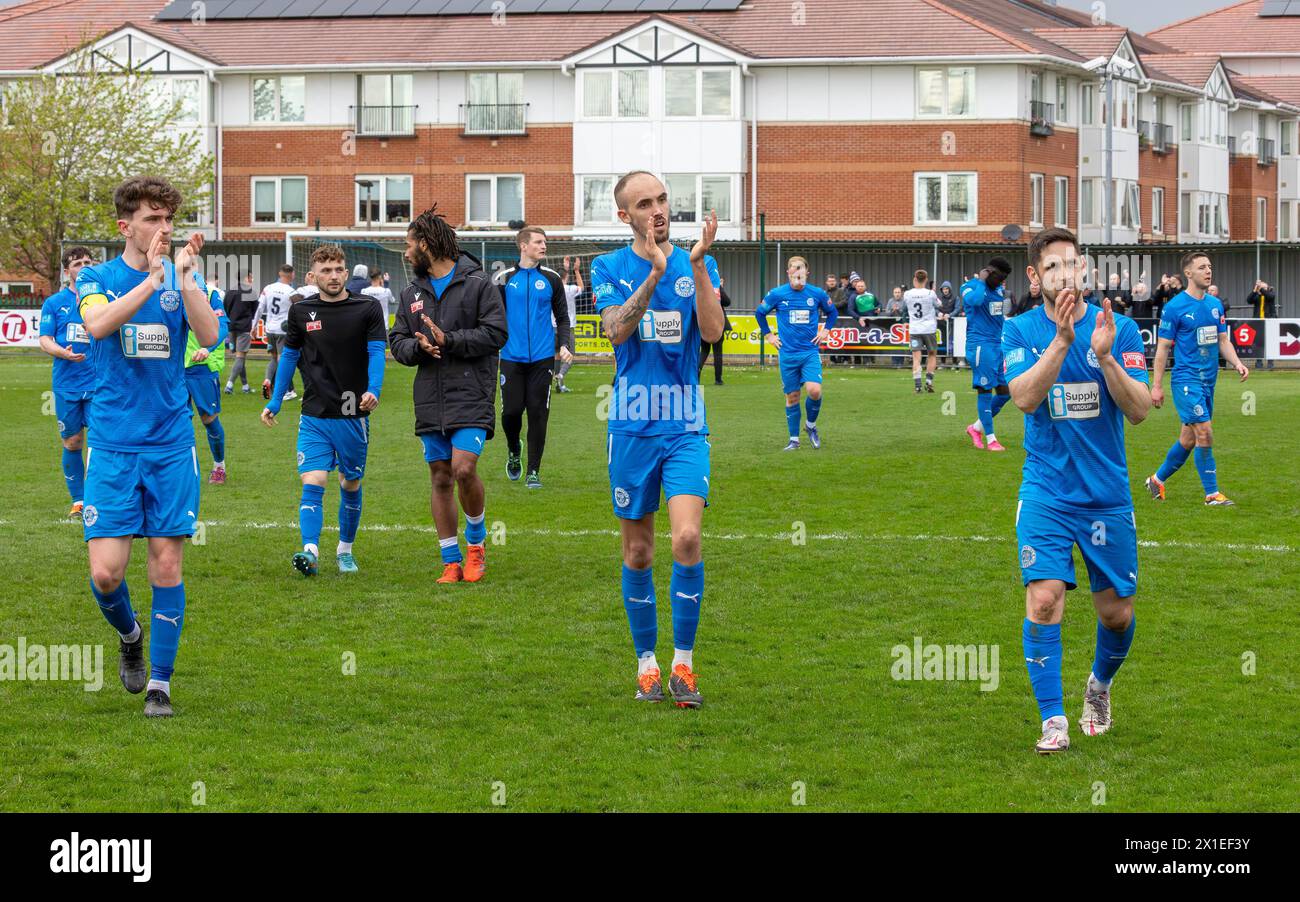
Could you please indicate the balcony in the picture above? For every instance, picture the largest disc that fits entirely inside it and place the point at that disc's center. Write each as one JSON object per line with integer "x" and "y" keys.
{"x": 384, "y": 121}
{"x": 1162, "y": 138}
{"x": 1267, "y": 152}
{"x": 1041, "y": 116}
{"x": 493, "y": 119}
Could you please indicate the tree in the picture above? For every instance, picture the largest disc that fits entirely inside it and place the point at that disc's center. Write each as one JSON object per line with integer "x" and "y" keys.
{"x": 69, "y": 139}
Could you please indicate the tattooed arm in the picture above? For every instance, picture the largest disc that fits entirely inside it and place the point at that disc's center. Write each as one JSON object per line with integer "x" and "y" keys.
{"x": 621, "y": 321}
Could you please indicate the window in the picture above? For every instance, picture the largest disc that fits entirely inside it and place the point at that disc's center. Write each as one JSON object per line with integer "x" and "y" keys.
{"x": 387, "y": 105}
{"x": 1062, "y": 212}
{"x": 1158, "y": 210}
{"x": 624, "y": 93}
{"x": 1188, "y": 111}
{"x": 17, "y": 289}
{"x": 598, "y": 199}
{"x": 691, "y": 197}
{"x": 494, "y": 199}
{"x": 945, "y": 92}
{"x": 183, "y": 93}
{"x": 1261, "y": 218}
{"x": 279, "y": 201}
{"x": 1062, "y": 98}
{"x": 388, "y": 200}
{"x": 495, "y": 103}
{"x": 280, "y": 98}
{"x": 1286, "y": 137}
{"x": 946, "y": 198}
{"x": 1036, "y": 199}
{"x": 1087, "y": 206}
{"x": 1185, "y": 212}
{"x": 1129, "y": 213}
{"x": 1087, "y": 103}
{"x": 697, "y": 92}
{"x": 1284, "y": 222}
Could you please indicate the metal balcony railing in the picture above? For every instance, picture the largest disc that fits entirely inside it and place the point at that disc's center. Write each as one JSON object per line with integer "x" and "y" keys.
{"x": 384, "y": 121}
{"x": 1162, "y": 138}
{"x": 494, "y": 118}
{"x": 1041, "y": 116}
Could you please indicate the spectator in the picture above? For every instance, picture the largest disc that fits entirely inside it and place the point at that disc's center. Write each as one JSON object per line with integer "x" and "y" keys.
{"x": 1262, "y": 301}
{"x": 1169, "y": 287}
{"x": 895, "y": 306}
{"x": 360, "y": 280}
{"x": 1028, "y": 301}
{"x": 240, "y": 302}
{"x": 949, "y": 301}
{"x": 716, "y": 347}
{"x": 1121, "y": 299}
{"x": 573, "y": 289}
{"x": 1141, "y": 308}
{"x": 837, "y": 294}
{"x": 864, "y": 302}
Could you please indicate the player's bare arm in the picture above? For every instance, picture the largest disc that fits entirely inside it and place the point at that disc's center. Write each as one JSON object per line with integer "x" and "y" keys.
{"x": 198, "y": 309}
{"x": 102, "y": 320}
{"x": 54, "y": 349}
{"x": 1158, "y": 371}
{"x": 621, "y": 321}
{"x": 708, "y": 306}
{"x": 1130, "y": 394}
{"x": 1030, "y": 388}
{"x": 1230, "y": 354}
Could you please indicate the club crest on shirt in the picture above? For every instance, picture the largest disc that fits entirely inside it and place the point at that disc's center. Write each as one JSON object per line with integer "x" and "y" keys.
{"x": 621, "y": 497}
{"x": 170, "y": 300}
{"x": 1028, "y": 556}
{"x": 89, "y": 515}
{"x": 685, "y": 287}
{"x": 539, "y": 284}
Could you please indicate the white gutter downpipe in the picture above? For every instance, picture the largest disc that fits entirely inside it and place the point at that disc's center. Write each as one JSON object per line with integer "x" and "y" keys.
{"x": 753, "y": 151}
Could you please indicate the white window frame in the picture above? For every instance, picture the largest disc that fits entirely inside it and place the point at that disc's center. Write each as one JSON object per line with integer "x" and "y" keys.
{"x": 1087, "y": 202}
{"x": 1286, "y": 138}
{"x": 699, "y": 71}
{"x": 279, "y": 181}
{"x": 7, "y": 288}
{"x": 494, "y": 177}
{"x": 579, "y": 216}
{"x": 1036, "y": 200}
{"x": 947, "y": 72}
{"x": 1284, "y": 221}
{"x": 1157, "y": 211}
{"x": 1261, "y": 218}
{"x": 943, "y": 200}
{"x": 1062, "y": 99}
{"x": 279, "y": 99}
{"x": 700, "y": 212}
{"x": 1088, "y": 103}
{"x": 380, "y": 194}
{"x": 613, "y": 96}
{"x": 1061, "y": 201}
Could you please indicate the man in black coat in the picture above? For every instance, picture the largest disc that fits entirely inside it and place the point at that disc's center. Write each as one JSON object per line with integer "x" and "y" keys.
{"x": 451, "y": 324}
{"x": 240, "y": 302}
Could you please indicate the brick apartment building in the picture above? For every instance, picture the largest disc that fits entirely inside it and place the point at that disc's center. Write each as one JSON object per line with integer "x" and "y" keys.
{"x": 914, "y": 120}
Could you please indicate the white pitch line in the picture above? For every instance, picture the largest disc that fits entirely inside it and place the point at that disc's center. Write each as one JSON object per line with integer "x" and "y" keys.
{"x": 744, "y": 537}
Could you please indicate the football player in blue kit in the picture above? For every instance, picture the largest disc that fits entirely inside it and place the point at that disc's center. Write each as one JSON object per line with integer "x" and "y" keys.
{"x": 142, "y": 470}
{"x": 799, "y": 333}
{"x": 985, "y": 300}
{"x": 656, "y": 302}
{"x": 1077, "y": 371}
{"x": 72, "y": 381}
{"x": 1193, "y": 324}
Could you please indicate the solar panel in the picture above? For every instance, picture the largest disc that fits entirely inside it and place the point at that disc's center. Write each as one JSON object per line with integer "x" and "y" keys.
{"x": 217, "y": 10}
{"x": 1274, "y": 8}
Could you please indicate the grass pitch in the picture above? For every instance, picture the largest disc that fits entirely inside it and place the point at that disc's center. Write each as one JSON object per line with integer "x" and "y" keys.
{"x": 519, "y": 689}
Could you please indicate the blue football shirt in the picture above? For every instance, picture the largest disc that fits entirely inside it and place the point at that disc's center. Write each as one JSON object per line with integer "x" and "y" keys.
{"x": 140, "y": 401}
{"x": 798, "y": 317}
{"x": 1194, "y": 327}
{"x": 61, "y": 320}
{"x": 1074, "y": 441}
{"x": 984, "y": 317}
{"x": 656, "y": 382}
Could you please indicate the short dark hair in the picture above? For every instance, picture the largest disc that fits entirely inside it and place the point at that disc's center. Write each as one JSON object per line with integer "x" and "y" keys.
{"x": 1189, "y": 258}
{"x": 1000, "y": 264}
{"x": 286, "y": 269}
{"x": 920, "y": 276}
{"x": 622, "y": 184}
{"x": 525, "y": 235}
{"x": 75, "y": 253}
{"x": 134, "y": 192}
{"x": 1042, "y": 239}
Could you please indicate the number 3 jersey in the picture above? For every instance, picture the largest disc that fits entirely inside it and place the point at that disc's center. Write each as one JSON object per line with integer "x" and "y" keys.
{"x": 140, "y": 401}
{"x": 656, "y": 383}
{"x": 1074, "y": 441}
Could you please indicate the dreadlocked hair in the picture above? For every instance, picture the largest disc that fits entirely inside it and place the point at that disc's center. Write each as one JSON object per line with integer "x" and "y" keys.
{"x": 431, "y": 228}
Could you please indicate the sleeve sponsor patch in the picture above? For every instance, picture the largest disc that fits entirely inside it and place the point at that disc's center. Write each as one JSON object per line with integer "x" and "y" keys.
{"x": 86, "y": 289}
{"x": 1013, "y": 357}
{"x": 1135, "y": 360}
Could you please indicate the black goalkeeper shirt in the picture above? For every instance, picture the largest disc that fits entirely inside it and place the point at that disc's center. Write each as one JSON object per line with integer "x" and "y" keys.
{"x": 331, "y": 337}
